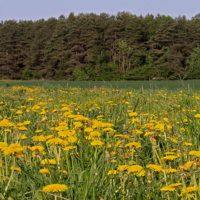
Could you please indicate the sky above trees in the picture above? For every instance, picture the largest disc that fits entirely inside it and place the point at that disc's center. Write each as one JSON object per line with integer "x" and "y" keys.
{"x": 38, "y": 9}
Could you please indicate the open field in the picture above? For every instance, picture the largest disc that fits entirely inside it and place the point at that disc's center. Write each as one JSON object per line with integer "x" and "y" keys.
{"x": 90, "y": 144}
{"x": 170, "y": 85}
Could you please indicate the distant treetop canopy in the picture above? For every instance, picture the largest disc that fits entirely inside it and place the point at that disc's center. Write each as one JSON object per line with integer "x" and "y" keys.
{"x": 101, "y": 47}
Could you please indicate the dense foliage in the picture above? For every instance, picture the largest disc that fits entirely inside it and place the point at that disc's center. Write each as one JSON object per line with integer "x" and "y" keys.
{"x": 100, "y": 47}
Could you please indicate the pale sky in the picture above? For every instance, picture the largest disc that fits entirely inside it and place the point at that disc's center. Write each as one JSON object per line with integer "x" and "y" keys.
{"x": 38, "y": 9}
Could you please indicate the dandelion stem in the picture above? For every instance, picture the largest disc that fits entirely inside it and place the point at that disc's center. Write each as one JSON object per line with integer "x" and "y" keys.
{"x": 11, "y": 175}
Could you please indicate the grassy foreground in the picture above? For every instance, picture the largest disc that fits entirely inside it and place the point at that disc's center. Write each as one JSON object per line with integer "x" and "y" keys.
{"x": 82, "y": 144}
{"x": 170, "y": 85}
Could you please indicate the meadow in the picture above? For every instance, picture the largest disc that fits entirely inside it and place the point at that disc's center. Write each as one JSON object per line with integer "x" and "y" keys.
{"x": 137, "y": 85}
{"x": 89, "y": 143}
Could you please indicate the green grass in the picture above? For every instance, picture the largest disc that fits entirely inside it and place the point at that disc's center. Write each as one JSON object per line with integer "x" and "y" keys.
{"x": 170, "y": 85}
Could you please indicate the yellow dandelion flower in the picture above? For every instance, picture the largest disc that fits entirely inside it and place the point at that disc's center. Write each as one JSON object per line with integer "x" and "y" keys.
{"x": 69, "y": 148}
{"x": 133, "y": 114}
{"x": 153, "y": 167}
{"x": 168, "y": 189}
{"x": 112, "y": 172}
{"x": 135, "y": 168}
{"x": 95, "y": 134}
{"x": 188, "y": 144}
{"x": 3, "y": 144}
{"x": 39, "y": 131}
{"x": 166, "y": 158}
{"x": 169, "y": 171}
{"x": 141, "y": 173}
{"x": 97, "y": 143}
{"x": 72, "y": 139}
{"x": 148, "y": 133}
{"x": 169, "y": 153}
{"x": 63, "y": 171}
{"x": 138, "y": 132}
{"x": 88, "y": 129}
{"x": 13, "y": 149}
{"x": 194, "y": 153}
{"x": 44, "y": 171}
{"x": 55, "y": 141}
{"x": 16, "y": 169}
{"x": 108, "y": 129}
{"x": 23, "y": 128}
{"x": 135, "y": 144}
{"x": 189, "y": 189}
{"x": 37, "y": 148}
{"x": 122, "y": 168}
{"x": 55, "y": 188}
{"x": 48, "y": 161}
{"x": 23, "y": 137}
{"x": 5, "y": 123}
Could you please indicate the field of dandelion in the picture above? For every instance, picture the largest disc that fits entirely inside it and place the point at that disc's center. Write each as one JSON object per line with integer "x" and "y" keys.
{"x": 99, "y": 143}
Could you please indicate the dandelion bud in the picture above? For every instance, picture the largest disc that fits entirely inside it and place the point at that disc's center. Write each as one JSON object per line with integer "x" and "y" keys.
{"x": 149, "y": 180}
{"x": 107, "y": 156}
{"x": 149, "y": 174}
{"x": 135, "y": 183}
{"x": 124, "y": 126}
{"x": 96, "y": 173}
{"x": 194, "y": 165}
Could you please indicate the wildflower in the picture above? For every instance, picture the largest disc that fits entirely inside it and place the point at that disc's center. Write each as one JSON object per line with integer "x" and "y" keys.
{"x": 169, "y": 171}
{"x": 37, "y": 148}
{"x": 48, "y": 161}
{"x": 23, "y": 136}
{"x": 135, "y": 120}
{"x": 138, "y": 132}
{"x": 114, "y": 172}
{"x": 97, "y": 143}
{"x": 169, "y": 153}
{"x": 122, "y": 168}
{"x": 88, "y": 130}
{"x": 148, "y": 133}
{"x": 55, "y": 141}
{"x": 170, "y": 188}
{"x": 189, "y": 189}
{"x": 153, "y": 167}
{"x": 69, "y": 148}
{"x": 135, "y": 144}
{"x": 13, "y": 149}
{"x": 5, "y": 123}
{"x": 44, "y": 171}
{"x": 55, "y": 188}
{"x": 71, "y": 139}
{"x": 23, "y": 128}
{"x": 133, "y": 114}
{"x": 63, "y": 171}
{"x": 141, "y": 173}
{"x": 194, "y": 153}
{"x": 3, "y": 144}
{"x": 95, "y": 134}
{"x": 188, "y": 164}
{"x": 108, "y": 129}
{"x": 166, "y": 158}
{"x": 16, "y": 169}
{"x": 188, "y": 144}
{"x": 135, "y": 168}
{"x": 38, "y": 131}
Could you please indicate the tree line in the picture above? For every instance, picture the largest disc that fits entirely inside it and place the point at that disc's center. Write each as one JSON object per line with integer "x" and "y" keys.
{"x": 101, "y": 47}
